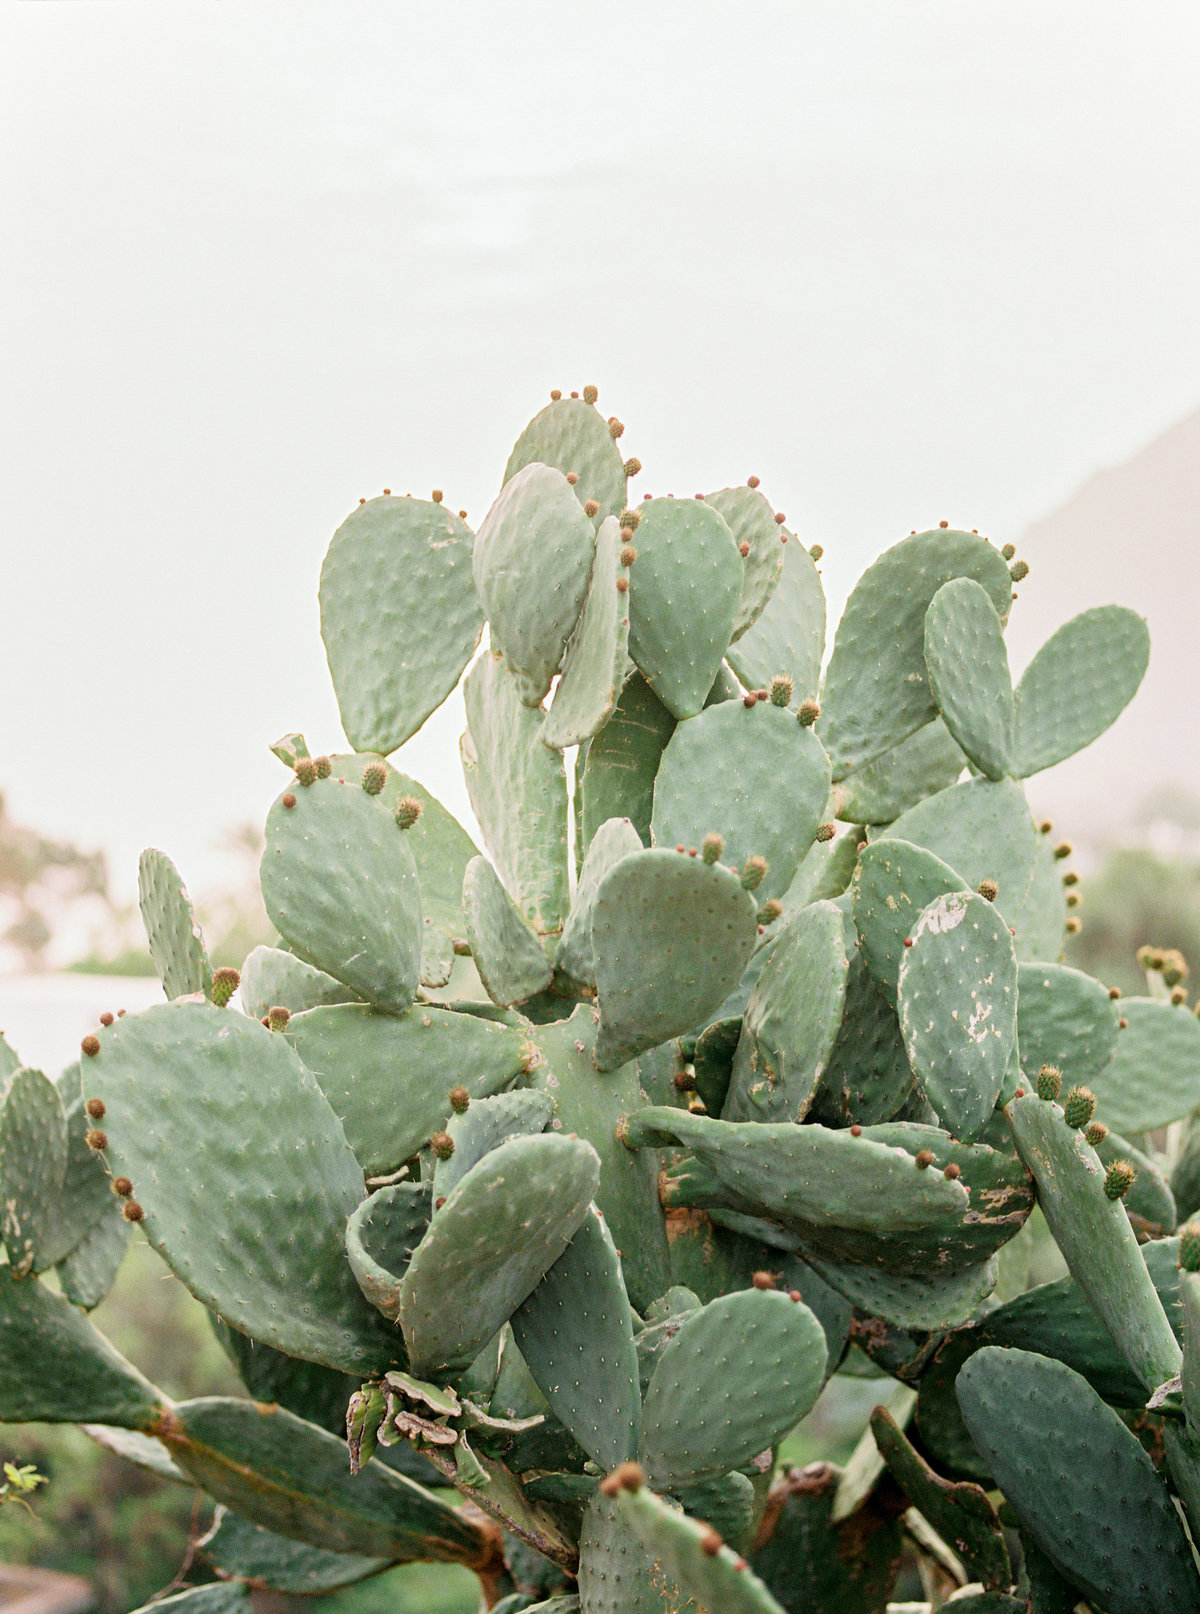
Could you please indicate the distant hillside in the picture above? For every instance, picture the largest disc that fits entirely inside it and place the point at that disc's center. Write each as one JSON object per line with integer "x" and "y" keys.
{"x": 1131, "y": 535}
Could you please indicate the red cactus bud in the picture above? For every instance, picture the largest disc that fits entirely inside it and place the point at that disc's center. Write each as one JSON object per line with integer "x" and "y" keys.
{"x": 460, "y": 1100}
{"x": 752, "y": 481}
{"x": 132, "y": 1211}
{"x": 95, "y": 1139}
{"x": 590, "y": 507}
{"x": 106, "y": 1019}
{"x": 95, "y": 1108}
{"x": 90, "y": 1046}
{"x": 763, "y": 1280}
{"x": 625, "y": 1477}
{"x": 289, "y": 800}
{"x": 555, "y": 396}
{"x": 615, "y": 427}
{"x": 122, "y": 1187}
{"x": 590, "y": 394}
{"x": 622, "y": 585}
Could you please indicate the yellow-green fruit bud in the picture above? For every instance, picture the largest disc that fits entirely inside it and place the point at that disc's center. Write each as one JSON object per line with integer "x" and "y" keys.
{"x": 632, "y": 466}
{"x": 590, "y": 507}
{"x": 1019, "y": 571}
{"x": 408, "y": 810}
{"x": 711, "y": 847}
{"x": 1049, "y": 1082}
{"x": 323, "y": 766}
{"x": 808, "y": 712}
{"x": 1118, "y": 1179}
{"x": 988, "y": 889}
{"x": 1189, "y": 1247}
{"x": 825, "y": 832}
{"x": 1078, "y": 1107}
{"x": 1096, "y": 1134}
{"x": 628, "y": 555}
{"x": 225, "y": 983}
{"x": 306, "y": 771}
{"x": 816, "y": 551}
{"x": 460, "y": 1100}
{"x": 781, "y": 689}
{"x": 753, "y": 873}
{"x": 1174, "y": 967}
{"x": 1009, "y": 551}
{"x": 278, "y": 1017}
{"x": 630, "y": 519}
{"x": 374, "y": 777}
{"x": 615, "y": 427}
{"x": 770, "y": 911}
{"x": 442, "y": 1145}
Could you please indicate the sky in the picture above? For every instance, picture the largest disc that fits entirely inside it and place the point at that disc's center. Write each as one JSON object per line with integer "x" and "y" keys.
{"x": 904, "y": 262}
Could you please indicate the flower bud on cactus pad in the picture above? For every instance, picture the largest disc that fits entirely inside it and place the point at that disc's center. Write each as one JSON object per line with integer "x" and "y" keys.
{"x": 1096, "y": 1134}
{"x": 1189, "y": 1247}
{"x": 278, "y": 1017}
{"x": 753, "y": 873}
{"x": 90, "y": 1046}
{"x": 442, "y": 1145}
{"x": 1118, "y": 1179}
{"x": 460, "y": 1100}
{"x": 225, "y": 983}
{"x": 306, "y": 771}
{"x": 712, "y": 847}
{"x": 1049, "y": 1082}
{"x": 781, "y": 689}
{"x": 1078, "y": 1107}
{"x": 374, "y": 777}
{"x": 408, "y": 810}
{"x": 988, "y": 889}
{"x": 808, "y": 712}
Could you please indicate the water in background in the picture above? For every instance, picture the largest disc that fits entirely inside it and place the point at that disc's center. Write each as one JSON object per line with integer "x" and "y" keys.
{"x": 44, "y": 1017}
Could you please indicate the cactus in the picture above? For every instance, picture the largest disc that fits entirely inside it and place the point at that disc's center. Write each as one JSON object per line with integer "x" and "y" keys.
{"x": 563, "y": 1171}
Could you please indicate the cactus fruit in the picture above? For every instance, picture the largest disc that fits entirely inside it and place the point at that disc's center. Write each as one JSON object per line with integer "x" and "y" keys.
{"x": 588, "y": 1153}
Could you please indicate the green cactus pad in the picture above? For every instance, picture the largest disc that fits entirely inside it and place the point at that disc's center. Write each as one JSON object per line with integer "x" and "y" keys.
{"x": 791, "y": 1020}
{"x": 1189, "y": 1306}
{"x": 574, "y": 958}
{"x": 339, "y": 882}
{"x": 738, "y": 1374}
{"x": 1040, "y": 918}
{"x": 511, "y": 962}
{"x": 712, "y": 1062}
{"x": 217, "y": 1598}
{"x": 752, "y": 775}
{"x": 702, "y": 1567}
{"x": 959, "y": 1512}
{"x": 532, "y": 561}
{"x": 518, "y": 792}
{"x": 1154, "y": 1075}
{"x": 592, "y": 1106}
{"x": 957, "y": 1002}
{"x": 597, "y": 653}
{"x": 752, "y": 522}
{"x": 685, "y": 589}
{"x": 487, "y": 1124}
{"x": 1065, "y": 1019}
{"x": 255, "y": 1152}
{"x": 236, "y": 1547}
{"x": 727, "y": 1503}
{"x": 575, "y": 1332}
{"x": 924, "y": 1303}
{"x": 876, "y": 686}
{"x": 868, "y": 1076}
{"x": 172, "y": 930}
{"x": 1095, "y": 1237}
{"x": 33, "y": 1164}
{"x": 968, "y": 672}
{"x": 893, "y": 883}
{"x": 381, "y": 1236}
{"x": 278, "y": 1471}
{"x": 318, "y": 1394}
{"x": 506, "y": 1223}
{"x": 56, "y": 1368}
{"x": 622, "y": 761}
{"x": 879, "y": 791}
{"x": 86, "y": 1274}
{"x": 387, "y": 1076}
{"x": 573, "y": 437}
{"x": 271, "y": 977}
{"x": 399, "y": 616}
{"x": 672, "y": 935}
{"x": 810, "y": 1562}
{"x": 617, "y": 1574}
{"x": 1080, "y": 1483}
{"x": 789, "y": 634}
{"x": 1079, "y": 683}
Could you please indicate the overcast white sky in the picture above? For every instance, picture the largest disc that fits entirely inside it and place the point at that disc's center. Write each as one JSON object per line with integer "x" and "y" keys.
{"x": 903, "y": 261}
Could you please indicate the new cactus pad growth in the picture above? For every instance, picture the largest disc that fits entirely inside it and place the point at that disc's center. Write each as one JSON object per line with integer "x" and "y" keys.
{"x": 538, "y": 1188}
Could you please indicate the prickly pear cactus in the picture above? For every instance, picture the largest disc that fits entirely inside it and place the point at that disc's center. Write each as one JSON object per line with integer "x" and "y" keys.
{"x": 539, "y": 1190}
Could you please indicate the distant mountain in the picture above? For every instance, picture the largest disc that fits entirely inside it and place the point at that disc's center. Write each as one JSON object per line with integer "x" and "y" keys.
{"x": 1130, "y": 536}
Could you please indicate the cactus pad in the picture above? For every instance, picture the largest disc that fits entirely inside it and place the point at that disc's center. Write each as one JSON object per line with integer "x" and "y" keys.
{"x": 968, "y": 673}
{"x": 596, "y": 658}
{"x": 1154, "y": 1075}
{"x": 1080, "y": 682}
{"x": 172, "y": 930}
{"x": 507, "y": 953}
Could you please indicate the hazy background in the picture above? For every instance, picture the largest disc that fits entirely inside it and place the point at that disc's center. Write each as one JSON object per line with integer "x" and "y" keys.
{"x": 904, "y": 262}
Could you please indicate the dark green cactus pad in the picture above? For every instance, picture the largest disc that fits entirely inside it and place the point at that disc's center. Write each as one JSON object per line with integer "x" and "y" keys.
{"x": 752, "y": 522}
{"x": 789, "y": 634}
{"x": 575, "y": 1333}
{"x": 597, "y": 654}
{"x": 810, "y": 1562}
{"x": 532, "y": 561}
{"x": 968, "y": 673}
{"x": 739, "y": 1374}
{"x": 56, "y": 1368}
{"x": 255, "y": 1151}
{"x": 222, "y": 1597}
{"x": 485, "y": 1126}
{"x": 876, "y": 686}
{"x": 87, "y": 1273}
{"x": 399, "y": 616}
{"x": 1154, "y": 1075}
{"x": 381, "y": 1236}
{"x": 518, "y": 791}
{"x": 1095, "y": 1237}
{"x": 236, "y": 1547}
{"x": 1189, "y": 1307}
{"x": 340, "y": 884}
{"x": 290, "y": 1477}
{"x": 685, "y": 589}
{"x": 172, "y": 929}
{"x": 1064, "y": 1019}
{"x": 672, "y": 935}
{"x": 712, "y": 1063}
{"x": 878, "y": 792}
{"x": 318, "y": 1394}
{"x": 508, "y": 955}
{"x": 893, "y": 883}
{"x": 959, "y": 1511}
{"x": 727, "y": 1503}
{"x": 1080, "y": 1483}
{"x": 387, "y": 1076}
{"x": 622, "y": 760}
{"x": 792, "y": 1020}
{"x": 823, "y": 874}
{"x": 592, "y": 1105}
{"x": 709, "y": 1571}
{"x": 505, "y": 1224}
{"x": 33, "y": 1164}
{"x": 927, "y": 1302}
{"x": 271, "y": 978}
{"x": 573, "y": 437}
{"x": 1049, "y": 1592}
{"x": 752, "y": 775}
{"x": 957, "y": 1001}
{"x": 617, "y": 1574}
{"x": 1077, "y": 685}
{"x": 574, "y": 959}
{"x": 868, "y": 1076}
